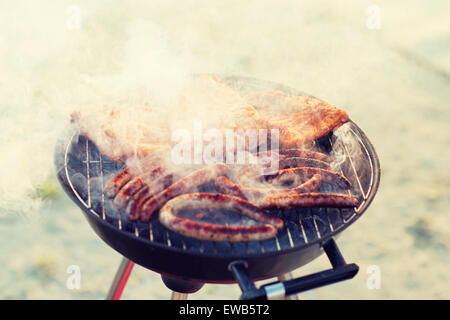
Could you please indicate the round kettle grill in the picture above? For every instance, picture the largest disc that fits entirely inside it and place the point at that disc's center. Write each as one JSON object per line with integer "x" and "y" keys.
{"x": 184, "y": 263}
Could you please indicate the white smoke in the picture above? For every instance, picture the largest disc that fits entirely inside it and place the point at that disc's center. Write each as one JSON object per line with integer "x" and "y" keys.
{"x": 49, "y": 71}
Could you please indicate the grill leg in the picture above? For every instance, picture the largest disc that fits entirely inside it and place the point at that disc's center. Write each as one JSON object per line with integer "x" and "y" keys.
{"x": 120, "y": 280}
{"x": 178, "y": 296}
{"x": 286, "y": 277}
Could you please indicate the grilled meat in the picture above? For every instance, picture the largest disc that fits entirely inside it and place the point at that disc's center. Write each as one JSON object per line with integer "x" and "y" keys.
{"x": 294, "y": 174}
{"x": 114, "y": 184}
{"x": 224, "y": 185}
{"x": 135, "y": 204}
{"x": 186, "y": 184}
{"x": 216, "y": 232}
{"x": 134, "y": 185}
{"x": 300, "y": 119}
{"x": 289, "y": 201}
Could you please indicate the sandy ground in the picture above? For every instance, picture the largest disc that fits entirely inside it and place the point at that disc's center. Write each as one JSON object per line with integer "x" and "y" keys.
{"x": 394, "y": 81}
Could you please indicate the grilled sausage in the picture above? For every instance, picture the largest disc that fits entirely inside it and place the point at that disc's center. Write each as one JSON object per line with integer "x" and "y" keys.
{"x": 113, "y": 186}
{"x": 128, "y": 190}
{"x": 224, "y": 185}
{"x": 304, "y": 153}
{"x": 185, "y": 185}
{"x": 135, "y": 204}
{"x": 117, "y": 182}
{"x": 293, "y": 162}
{"x": 131, "y": 209}
{"x": 216, "y": 232}
{"x": 293, "y": 174}
{"x": 290, "y": 201}
{"x": 134, "y": 185}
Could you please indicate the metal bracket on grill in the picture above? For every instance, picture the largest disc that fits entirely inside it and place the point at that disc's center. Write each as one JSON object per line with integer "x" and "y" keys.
{"x": 276, "y": 290}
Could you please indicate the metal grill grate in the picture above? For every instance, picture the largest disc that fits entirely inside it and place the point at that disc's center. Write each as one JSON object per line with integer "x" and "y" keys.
{"x": 87, "y": 171}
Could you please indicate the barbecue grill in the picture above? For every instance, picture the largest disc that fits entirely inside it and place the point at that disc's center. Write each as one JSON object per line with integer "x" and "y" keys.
{"x": 184, "y": 263}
